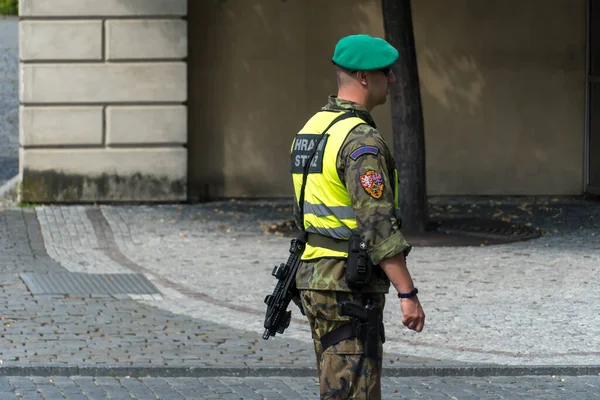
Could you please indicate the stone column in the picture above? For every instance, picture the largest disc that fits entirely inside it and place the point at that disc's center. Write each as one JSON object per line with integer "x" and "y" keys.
{"x": 103, "y": 86}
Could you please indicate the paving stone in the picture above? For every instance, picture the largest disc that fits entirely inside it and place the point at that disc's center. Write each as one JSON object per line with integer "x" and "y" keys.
{"x": 209, "y": 346}
{"x": 21, "y": 245}
{"x": 522, "y": 387}
{"x": 87, "y": 330}
{"x": 89, "y": 388}
{"x": 49, "y": 391}
{"x": 137, "y": 388}
{"x": 30, "y": 396}
{"x": 506, "y": 295}
{"x": 8, "y": 395}
{"x": 162, "y": 388}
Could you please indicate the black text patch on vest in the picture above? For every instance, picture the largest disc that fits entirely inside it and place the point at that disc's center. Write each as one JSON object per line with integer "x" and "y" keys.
{"x": 304, "y": 146}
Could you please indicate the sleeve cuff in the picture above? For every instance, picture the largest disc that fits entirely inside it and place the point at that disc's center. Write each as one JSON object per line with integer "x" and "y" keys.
{"x": 390, "y": 247}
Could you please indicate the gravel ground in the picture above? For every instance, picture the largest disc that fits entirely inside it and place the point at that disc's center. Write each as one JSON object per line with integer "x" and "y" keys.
{"x": 9, "y": 99}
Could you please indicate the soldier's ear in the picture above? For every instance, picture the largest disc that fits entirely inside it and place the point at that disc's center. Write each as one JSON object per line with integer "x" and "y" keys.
{"x": 361, "y": 76}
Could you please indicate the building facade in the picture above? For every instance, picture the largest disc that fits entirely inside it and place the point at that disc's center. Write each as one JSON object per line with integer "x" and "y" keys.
{"x": 167, "y": 100}
{"x": 103, "y": 93}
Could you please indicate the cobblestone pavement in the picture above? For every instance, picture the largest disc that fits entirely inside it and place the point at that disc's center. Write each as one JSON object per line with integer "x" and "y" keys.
{"x": 82, "y": 239}
{"x": 9, "y": 99}
{"x": 200, "y": 321}
{"x": 79, "y": 330}
{"x": 506, "y": 304}
{"x": 432, "y": 388}
{"x": 21, "y": 244}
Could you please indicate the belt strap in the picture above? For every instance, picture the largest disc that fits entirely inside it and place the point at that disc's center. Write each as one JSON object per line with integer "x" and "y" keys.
{"x": 316, "y": 240}
{"x": 343, "y": 332}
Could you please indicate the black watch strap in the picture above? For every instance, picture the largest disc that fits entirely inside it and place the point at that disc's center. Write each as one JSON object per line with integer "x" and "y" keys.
{"x": 408, "y": 295}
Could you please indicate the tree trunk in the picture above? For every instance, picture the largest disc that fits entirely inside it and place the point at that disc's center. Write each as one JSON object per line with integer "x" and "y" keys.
{"x": 407, "y": 117}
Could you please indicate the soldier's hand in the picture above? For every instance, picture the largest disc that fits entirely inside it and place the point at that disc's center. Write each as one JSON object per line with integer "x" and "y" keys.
{"x": 413, "y": 316}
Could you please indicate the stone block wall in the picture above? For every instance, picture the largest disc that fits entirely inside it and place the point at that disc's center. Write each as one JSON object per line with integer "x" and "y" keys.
{"x": 103, "y": 89}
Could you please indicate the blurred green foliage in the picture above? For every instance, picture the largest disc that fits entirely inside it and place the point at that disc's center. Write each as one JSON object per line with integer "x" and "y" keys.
{"x": 9, "y": 7}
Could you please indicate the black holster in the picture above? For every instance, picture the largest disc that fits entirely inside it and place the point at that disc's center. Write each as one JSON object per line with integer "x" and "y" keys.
{"x": 366, "y": 325}
{"x": 359, "y": 267}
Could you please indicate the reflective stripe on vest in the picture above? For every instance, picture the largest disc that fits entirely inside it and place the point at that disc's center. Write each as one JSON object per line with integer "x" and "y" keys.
{"x": 327, "y": 206}
{"x": 321, "y": 210}
{"x": 343, "y": 232}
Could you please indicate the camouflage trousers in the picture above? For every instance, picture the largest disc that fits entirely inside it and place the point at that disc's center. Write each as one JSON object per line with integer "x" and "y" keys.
{"x": 344, "y": 371}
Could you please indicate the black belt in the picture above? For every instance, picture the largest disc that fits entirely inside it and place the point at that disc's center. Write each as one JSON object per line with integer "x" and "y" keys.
{"x": 346, "y": 331}
{"x": 349, "y": 330}
{"x": 343, "y": 332}
{"x": 316, "y": 240}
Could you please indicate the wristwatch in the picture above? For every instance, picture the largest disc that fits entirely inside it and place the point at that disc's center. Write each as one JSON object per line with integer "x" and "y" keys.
{"x": 408, "y": 295}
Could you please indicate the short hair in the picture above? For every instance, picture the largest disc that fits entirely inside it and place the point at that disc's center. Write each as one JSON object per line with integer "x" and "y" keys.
{"x": 343, "y": 75}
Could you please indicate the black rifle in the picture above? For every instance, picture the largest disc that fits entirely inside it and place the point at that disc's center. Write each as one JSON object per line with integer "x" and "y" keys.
{"x": 368, "y": 325}
{"x": 277, "y": 318}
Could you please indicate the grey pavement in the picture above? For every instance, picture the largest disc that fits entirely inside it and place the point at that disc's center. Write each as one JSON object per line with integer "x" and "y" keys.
{"x": 284, "y": 388}
{"x": 83, "y": 240}
{"x": 9, "y": 99}
{"x": 116, "y": 330}
{"x": 211, "y": 262}
{"x": 507, "y": 304}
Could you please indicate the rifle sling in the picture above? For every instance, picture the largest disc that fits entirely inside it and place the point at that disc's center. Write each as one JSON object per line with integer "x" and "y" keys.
{"x": 310, "y": 158}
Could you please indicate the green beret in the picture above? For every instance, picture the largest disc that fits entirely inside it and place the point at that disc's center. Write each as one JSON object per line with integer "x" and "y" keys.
{"x": 364, "y": 53}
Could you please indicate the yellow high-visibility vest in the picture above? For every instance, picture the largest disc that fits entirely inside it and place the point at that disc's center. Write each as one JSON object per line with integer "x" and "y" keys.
{"x": 327, "y": 206}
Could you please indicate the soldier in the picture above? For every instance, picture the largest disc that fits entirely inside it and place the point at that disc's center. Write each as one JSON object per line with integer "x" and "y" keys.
{"x": 349, "y": 187}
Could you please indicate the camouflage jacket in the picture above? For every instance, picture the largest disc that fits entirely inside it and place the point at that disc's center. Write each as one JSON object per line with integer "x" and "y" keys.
{"x": 375, "y": 212}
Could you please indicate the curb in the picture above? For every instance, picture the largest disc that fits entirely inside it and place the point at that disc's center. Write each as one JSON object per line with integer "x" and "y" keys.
{"x": 242, "y": 372}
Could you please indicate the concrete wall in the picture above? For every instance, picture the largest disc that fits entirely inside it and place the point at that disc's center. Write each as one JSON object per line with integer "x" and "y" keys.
{"x": 257, "y": 71}
{"x": 102, "y": 87}
{"x": 502, "y": 84}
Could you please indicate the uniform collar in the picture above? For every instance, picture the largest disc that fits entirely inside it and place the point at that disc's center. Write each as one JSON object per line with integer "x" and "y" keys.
{"x": 337, "y": 104}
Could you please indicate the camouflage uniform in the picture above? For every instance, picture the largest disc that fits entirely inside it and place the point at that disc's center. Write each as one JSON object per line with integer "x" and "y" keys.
{"x": 344, "y": 371}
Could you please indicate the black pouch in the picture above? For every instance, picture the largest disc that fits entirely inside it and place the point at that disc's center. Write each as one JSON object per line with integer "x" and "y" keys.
{"x": 359, "y": 267}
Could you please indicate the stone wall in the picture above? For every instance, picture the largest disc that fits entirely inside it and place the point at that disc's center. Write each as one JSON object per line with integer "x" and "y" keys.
{"x": 102, "y": 88}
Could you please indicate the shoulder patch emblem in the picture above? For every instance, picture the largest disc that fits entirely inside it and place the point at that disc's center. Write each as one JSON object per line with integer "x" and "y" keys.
{"x": 372, "y": 182}
{"x": 364, "y": 150}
